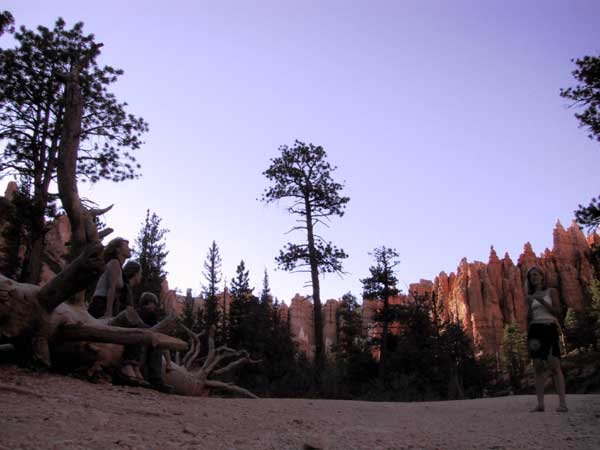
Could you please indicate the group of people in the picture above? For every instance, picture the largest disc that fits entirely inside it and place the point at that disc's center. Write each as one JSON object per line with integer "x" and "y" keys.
{"x": 141, "y": 365}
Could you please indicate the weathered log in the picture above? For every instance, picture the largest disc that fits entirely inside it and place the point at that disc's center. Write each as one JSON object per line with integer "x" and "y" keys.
{"x": 117, "y": 335}
{"x": 20, "y": 311}
{"x": 74, "y": 278}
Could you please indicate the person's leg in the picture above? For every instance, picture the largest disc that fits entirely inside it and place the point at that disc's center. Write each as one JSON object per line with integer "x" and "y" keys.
{"x": 559, "y": 381}
{"x": 97, "y": 307}
{"x": 153, "y": 368}
{"x": 540, "y": 381}
{"x": 154, "y": 365}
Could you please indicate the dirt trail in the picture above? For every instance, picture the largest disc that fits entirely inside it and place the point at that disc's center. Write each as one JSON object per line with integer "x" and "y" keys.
{"x": 46, "y": 411}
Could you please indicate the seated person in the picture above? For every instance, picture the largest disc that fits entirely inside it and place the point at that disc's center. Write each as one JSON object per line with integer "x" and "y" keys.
{"x": 151, "y": 359}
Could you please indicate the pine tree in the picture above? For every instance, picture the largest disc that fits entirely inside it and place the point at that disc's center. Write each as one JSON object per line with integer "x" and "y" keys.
{"x": 514, "y": 353}
{"x": 212, "y": 275}
{"x": 6, "y": 22}
{"x": 188, "y": 318}
{"x": 349, "y": 328}
{"x": 302, "y": 175}
{"x": 32, "y": 107}
{"x": 151, "y": 254}
{"x": 580, "y": 329}
{"x": 241, "y": 320}
{"x": 381, "y": 285}
{"x": 265, "y": 294}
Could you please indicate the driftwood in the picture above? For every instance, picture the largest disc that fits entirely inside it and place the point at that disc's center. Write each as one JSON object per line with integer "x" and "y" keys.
{"x": 192, "y": 377}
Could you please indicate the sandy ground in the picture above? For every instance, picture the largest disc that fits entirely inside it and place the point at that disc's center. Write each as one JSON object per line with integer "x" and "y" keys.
{"x": 46, "y": 411}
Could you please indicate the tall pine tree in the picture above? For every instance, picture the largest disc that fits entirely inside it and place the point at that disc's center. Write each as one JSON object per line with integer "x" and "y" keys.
{"x": 241, "y": 312}
{"x": 381, "y": 285}
{"x": 302, "y": 175}
{"x": 189, "y": 318}
{"x": 151, "y": 253}
{"x": 32, "y": 108}
{"x": 212, "y": 275}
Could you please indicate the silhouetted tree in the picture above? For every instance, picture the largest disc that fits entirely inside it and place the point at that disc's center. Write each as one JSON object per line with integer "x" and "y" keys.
{"x": 586, "y": 95}
{"x": 302, "y": 175}
{"x": 150, "y": 250}
{"x": 212, "y": 275}
{"x": 32, "y": 107}
{"x": 514, "y": 353}
{"x": 353, "y": 364}
{"x": 381, "y": 285}
{"x": 349, "y": 328}
{"x": 242, "y": 310}
{"x": 189, "y": 316}
{"x": 580, "y": 329}
{"x": 265, "y": 293}
{"x": 6, "y": 22}
{"x": 595, "y": 309}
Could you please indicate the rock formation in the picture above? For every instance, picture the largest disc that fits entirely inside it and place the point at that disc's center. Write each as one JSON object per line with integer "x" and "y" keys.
{"x": 484, "y": 297}
{"x": 301, "y": 324}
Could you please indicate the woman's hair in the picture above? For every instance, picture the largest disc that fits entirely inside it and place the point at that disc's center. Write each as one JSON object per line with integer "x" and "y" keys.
{"x": 130, "y": 270}
{"x": 529, "y": 289}
{"x": 148, "y": 297}
{"x": 112, "y": 248}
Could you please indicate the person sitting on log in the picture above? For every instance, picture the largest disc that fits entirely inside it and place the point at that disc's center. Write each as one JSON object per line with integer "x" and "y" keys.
{"x": 112, "y": 296}
{"x": 105, "y": 301}
{"x": 151, "y": 357}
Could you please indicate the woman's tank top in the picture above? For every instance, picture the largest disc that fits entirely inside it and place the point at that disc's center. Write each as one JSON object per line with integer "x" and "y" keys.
{"x": 103, "y": 282}
{"x": 541, "y": 314}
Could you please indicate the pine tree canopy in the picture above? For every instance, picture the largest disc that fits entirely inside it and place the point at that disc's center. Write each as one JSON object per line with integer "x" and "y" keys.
{"x": 151, "y": 254}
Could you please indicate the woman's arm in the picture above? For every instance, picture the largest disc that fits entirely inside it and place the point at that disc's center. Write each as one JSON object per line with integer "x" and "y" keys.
{"x": 528, "y": 312}
{"x": 113, "y": 272}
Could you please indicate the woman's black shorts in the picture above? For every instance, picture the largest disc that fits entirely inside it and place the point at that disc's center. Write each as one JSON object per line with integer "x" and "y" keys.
{"x": 542, "y": 340}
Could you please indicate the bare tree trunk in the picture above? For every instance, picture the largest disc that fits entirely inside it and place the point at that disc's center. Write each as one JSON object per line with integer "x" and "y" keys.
{"x": 317, "y": 313}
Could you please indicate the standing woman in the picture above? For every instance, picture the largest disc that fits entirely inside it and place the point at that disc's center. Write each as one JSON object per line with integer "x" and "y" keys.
{"x": 106, "y": 300}
{"x": 543, "y": 308}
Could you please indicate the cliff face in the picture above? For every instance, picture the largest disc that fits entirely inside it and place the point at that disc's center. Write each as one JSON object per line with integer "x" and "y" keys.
{"x": 301, "y": 324}
{"x": 485, "y": 297}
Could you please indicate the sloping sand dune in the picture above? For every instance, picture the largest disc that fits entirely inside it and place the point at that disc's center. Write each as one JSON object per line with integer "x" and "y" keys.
{"x": 45, "y": 411}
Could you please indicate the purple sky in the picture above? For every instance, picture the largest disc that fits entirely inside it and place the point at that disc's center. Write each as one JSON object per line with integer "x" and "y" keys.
{"x": 444, "y": 119}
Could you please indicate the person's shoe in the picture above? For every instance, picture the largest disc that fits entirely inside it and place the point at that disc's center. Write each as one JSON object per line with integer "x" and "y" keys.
{"x": 537, "y": 409}
{"x": 562, "y": 408}
{"x": 122, "y": 379}
{"x": 127, "y": 376}
{"x": 160, "y": 386}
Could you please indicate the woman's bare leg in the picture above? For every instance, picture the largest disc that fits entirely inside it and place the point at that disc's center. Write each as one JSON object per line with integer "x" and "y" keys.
{"x": 540, "y": 381}
{"x": 559, "y": 381}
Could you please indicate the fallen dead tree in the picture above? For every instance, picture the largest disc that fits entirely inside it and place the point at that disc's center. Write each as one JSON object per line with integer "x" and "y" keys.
{"x": 194, "y": 375}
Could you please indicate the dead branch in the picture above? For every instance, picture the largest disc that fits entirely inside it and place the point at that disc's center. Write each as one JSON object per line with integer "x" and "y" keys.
{"x": 229, "y": 387}
{"x": 197, "y": 381}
